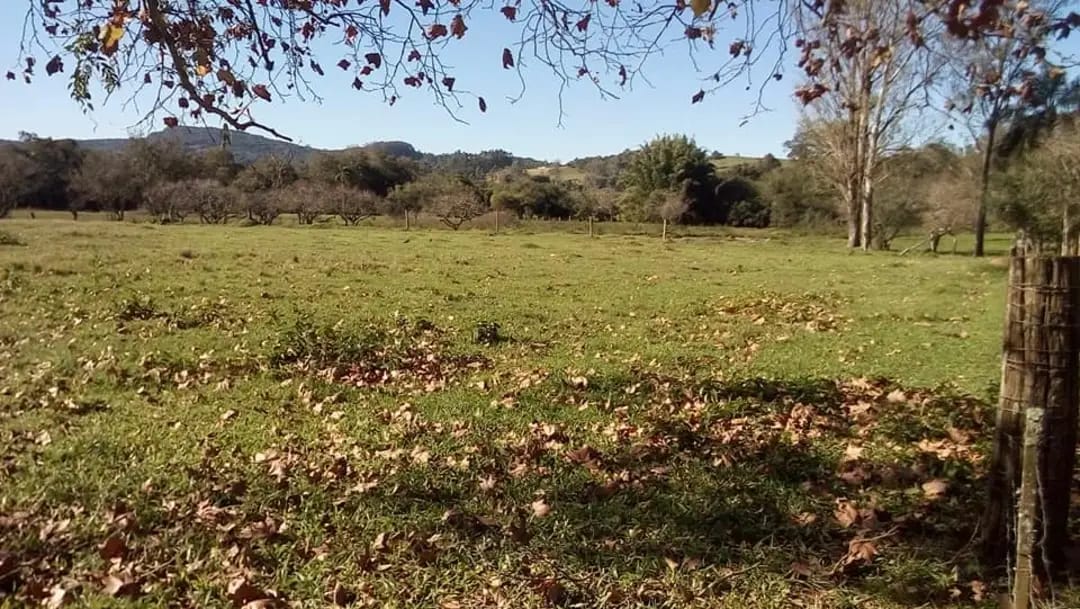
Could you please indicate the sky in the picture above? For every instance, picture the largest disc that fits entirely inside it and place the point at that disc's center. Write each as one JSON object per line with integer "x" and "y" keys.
{"x": 530, "y": 127}
{"x": 726, "y": 121}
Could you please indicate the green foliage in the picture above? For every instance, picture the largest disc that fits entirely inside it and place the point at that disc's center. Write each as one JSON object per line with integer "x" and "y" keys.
{"x": 902, "y": 199}
{"x": 536, "y": 197}
{"x": 797, "y": 198}
{"x": 1041, "y": 189}
{"x": 307, "y": 342}
{"x": 475, "y": 166}
{"x": 16, "y": 173}
{"x": 664, "y": 164}
{"x": 360, "y": 169}
{"x": 749, "y": 214}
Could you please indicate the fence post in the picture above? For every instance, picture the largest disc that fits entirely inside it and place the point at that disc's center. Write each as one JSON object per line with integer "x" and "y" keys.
{"x": 1039, "y": 370}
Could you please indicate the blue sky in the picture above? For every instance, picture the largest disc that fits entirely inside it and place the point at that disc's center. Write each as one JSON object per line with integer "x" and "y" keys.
{"x": 529, "y": 127}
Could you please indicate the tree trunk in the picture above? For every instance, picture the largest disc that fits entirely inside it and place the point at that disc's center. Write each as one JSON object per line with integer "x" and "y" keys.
{"x": 984, "y": 189}
{"x": 663, "y": 236}
{"x": 870, "y": 160}
{"x": 866, "y": 230}
{"x": 1039, "y": 369}
{"x": 590, "y": 227}
{"x": 496, "y": 221}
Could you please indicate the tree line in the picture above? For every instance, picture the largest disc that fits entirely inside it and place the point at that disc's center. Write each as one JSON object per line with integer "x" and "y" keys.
{"x": 670, "y": 179}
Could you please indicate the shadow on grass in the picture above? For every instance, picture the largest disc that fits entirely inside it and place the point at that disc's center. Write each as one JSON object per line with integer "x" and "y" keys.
{"x": 862, "y": 485}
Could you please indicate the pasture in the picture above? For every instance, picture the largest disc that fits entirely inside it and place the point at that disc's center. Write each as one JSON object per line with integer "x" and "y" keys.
{"x": 219, "y": 416}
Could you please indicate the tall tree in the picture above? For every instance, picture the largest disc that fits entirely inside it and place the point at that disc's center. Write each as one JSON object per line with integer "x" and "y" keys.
{"x": 876, "y": 76}
{"x": 998, "y": 79}
{"x": 669, "y": 163}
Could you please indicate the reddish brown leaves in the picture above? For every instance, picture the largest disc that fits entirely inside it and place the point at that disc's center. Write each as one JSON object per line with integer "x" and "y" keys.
{"x": 507, "y": 59}
{"x": 510, "y": 12}
{"x": 113, "y": 549}
{"x": 55, "y": 65}
{"x": 458, "y": 27}
{"x": 261, "y": 92}
{"x": 171, "y": 122}
{"x": 448, "y": 82}
{"x": 384, "y": 5}
{"x": 342, "y": 596}
{"x": 414, "y": 55}
{"x": 374, "y": 59}
{"x": 425, "y": 5}
{"x": 242, "y": 593}
{"x": 622, "y": 76}
{"x": 436, "y": 31}
{"x": 483, "y": 104}
{"x": 344, "y": 64}
{"x": 583, "y": 24}
{"x": 700, "y": 95}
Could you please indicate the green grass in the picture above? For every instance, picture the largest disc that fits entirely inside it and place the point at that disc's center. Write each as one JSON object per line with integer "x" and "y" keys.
{"x": 303, "y": 409}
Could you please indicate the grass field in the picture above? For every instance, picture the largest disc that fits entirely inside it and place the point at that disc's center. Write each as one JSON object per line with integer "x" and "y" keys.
{"x": 221, "y": 416}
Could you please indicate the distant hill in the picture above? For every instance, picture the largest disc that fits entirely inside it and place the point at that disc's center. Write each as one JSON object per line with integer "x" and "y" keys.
{"x": 249, "y": 147}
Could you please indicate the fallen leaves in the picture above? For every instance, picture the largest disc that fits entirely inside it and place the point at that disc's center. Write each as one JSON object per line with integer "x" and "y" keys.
{"x": 540, "y": 508}
{"x": 935, "y": 489}
{"x": 113, "y": 549}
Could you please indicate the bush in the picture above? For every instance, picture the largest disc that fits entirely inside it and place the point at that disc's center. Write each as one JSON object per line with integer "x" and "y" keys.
{"x": 749, "y": 214}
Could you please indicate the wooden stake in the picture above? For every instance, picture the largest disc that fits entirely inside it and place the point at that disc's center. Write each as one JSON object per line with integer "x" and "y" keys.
{"x": 1027, "y": 515}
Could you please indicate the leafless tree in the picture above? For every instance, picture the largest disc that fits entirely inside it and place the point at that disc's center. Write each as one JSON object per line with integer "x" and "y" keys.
{"x": 877, "y": 75}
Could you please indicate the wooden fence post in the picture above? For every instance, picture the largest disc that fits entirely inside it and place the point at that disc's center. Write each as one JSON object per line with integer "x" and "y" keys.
{"x": 1039, "y": 370}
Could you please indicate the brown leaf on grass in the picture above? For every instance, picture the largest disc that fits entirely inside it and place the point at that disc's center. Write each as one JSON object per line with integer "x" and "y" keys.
{"x": 381, "y": 543}
{"x": 265, "y": 603}
{"x": 804, "y": 519}
{"x": 801, "y": 569}
{"x": 242, "y": 593}
{"x": 228, "y": 414}
{"x": 342, "y": 596}
{"x": 552, "y": 591}
{"x": 853, "y": 452}
{"x": 935, "y": 489}
{"x": 113, "y": 548}
{"x": 860, "y": 551}
{"x": 896, "y": 396}
{"x": 847, "y": 514}
{"x": 120, "y": 585}
{"x": 58, "y": 597}
{"x": 540, "y": 508}
{"x": 487, "y": 483}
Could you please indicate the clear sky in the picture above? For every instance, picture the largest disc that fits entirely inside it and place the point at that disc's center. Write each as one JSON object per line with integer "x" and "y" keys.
{"x": 529, "y": 127}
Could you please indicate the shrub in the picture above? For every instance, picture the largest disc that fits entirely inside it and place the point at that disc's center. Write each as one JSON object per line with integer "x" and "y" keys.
{"x": 750, "y": 214}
